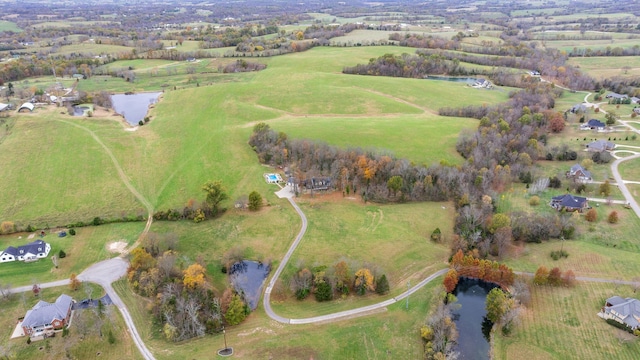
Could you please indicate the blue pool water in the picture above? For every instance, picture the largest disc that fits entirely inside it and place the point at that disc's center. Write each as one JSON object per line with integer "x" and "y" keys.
{"x": 272, "y": 177}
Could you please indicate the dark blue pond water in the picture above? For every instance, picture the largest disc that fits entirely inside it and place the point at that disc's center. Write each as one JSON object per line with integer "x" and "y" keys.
{"x": 248, "y": 277}
{"x": 473, "y": 328}
{"x": 466, "y": 80}
{"x": 133, "y": 107}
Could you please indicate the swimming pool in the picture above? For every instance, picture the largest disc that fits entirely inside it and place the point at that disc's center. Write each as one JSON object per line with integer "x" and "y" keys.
{"x": 272, "y": 177}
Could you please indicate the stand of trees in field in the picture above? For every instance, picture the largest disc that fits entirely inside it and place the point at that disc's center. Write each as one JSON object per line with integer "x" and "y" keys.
{"x": 183, "y": 302}
{"x": 329, "y": 282}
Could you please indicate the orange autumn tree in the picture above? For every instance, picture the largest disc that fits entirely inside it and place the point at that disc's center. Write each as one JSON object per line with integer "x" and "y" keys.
{"x": 487, "y": 270}
{"x": 450, "y": 280}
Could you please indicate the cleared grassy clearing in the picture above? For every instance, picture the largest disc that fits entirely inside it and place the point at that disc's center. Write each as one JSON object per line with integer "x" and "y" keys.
{"x": 387, "y": 334}
{"x": 602, "y": 66}
{"x": 57, "y": 347}
{"x": 90, "y": 245}
{"x": 561, "y": 323}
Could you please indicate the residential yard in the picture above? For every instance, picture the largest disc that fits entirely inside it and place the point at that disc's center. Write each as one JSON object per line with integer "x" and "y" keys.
{"x": 88, "y": 246}
{"x": 561, "y": 323}
{"x": 91, "y": 346}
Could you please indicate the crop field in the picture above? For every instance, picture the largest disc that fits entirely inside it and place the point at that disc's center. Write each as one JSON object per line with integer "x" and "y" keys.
{"x": 92, "y": 346}
{"x": 88, "y": 246}
{"x": 561, "y": 323}
{"x": 391, "y": 333}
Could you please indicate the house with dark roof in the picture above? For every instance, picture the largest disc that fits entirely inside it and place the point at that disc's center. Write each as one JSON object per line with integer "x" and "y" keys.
{"x": 29, "y": 252}
{"x": 578, "y": 173}
{"x": 45, "y": 317}
{"x": 625, "y": 311}
{"x": 593, "y": 124}
{"x": 316, "y": 183}
{"x": 570, "y": 203}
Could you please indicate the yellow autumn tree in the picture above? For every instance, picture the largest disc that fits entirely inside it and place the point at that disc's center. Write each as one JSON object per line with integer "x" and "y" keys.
{"x": 193, "y": 276}
{"x": 74, "y": 282}
{"x": 364, "y": 281}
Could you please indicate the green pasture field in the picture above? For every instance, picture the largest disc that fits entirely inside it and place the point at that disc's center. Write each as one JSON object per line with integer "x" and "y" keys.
{"x": 385, "y": 133}
{"x": 214, "y": 130}
{"x": 393, "y": 333}
{"x": 561, "y": 323}
{"x": 59, "y": 347}
{"x": 569, "y": 45}
{"x": 9, "y": 26}
{"x": 89, "y": 245}
{"x": 68, "y": 177}
{"x": 93, "y": 48}
{"x": 602, "y": 67}
{"x": 635, "y": 190}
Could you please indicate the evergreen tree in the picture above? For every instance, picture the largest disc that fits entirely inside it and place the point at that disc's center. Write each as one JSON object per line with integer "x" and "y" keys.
{"x": 382, "y": 285}
{"x": 235, "y": 313}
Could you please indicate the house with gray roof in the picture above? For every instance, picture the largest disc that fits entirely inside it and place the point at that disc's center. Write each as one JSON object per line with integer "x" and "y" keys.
{"x": 45, "y": 317}
{"x": 579, "y": 108}
{"x": 625, "y": 311}
{"x": 601, "y": 145}
{"x": 29, "y": 252}
{"x": 570, "y": 203}
{"x": 578, "y": 173}
{"x": 635, "y": 100}
{"x": 616, "y": 96}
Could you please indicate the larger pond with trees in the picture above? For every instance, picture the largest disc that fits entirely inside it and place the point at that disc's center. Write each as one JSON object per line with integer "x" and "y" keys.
{"x": 470, "y": 318}
{"x": 134, "y": 107}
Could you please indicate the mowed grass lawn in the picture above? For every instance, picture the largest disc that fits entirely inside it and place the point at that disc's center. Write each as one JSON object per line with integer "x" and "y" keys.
{"x": 92, "y": 346}
{"x": 561, "y": 323}
{"x": 89, "y": 245}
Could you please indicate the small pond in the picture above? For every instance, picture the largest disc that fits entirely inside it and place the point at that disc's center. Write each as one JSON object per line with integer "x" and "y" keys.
{"x": 248, "y": 277}
{"x": 473, "y": 327}
{"x": 466, "y": 80}
{"x": 134, "y": 107}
